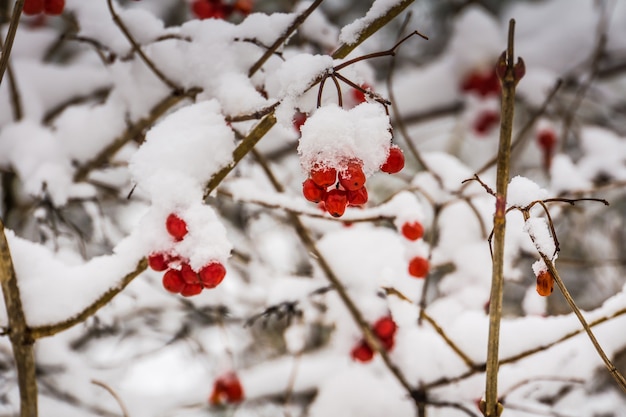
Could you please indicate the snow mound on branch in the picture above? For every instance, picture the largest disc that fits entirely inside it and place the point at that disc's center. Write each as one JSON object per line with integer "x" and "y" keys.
{"x": 522, "y": 192}
{"x": 351, "y": 32}
{"x": 332, "y": 136}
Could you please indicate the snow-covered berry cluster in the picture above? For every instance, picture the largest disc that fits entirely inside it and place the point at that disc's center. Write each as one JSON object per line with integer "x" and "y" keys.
{"x": 385, "y": 330}
{"x": 49, "y": 7}
{"x": 180, "y": 277}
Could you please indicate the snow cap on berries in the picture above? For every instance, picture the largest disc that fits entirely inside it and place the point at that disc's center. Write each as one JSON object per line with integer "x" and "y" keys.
{"x": 333, "y": 136}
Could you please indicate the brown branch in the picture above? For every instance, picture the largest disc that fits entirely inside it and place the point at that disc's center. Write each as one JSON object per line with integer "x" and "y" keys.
{"x": 292, "y": 28}
{"x": 19, "y": 335}
{"x": 114, "y": 395}
{"x": 470, "y": 364}
{"x": 8, "y": 42}
{"x": 171, "y": 84}
{"x": 52, "y": 329}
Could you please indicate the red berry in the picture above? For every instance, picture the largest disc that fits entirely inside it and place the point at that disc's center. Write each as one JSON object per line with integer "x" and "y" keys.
{"x": 205, "y": 9}
{"x": 32, "y": 7}
{"x": 418, "y": 267}
{"x": 335, "y": 202}
{"x": 54, "y": 7}
{"x": 482, "y": 83}
{"x": 362, "y": 352}
{"x": 385, "y": 328}
{"x": 358, "y": 197}
{"x": 413, "y": 230}
{"x": 226, "y": 389}
{"x": 545, "y": 283}
{"x": 298, "y": 120}
{"x": 323, "y": 176}
{"x": 312, "y": 191}
{"x": 157, "y": 262}
{"x": 191, "y": 289}
{"x": 388, "y": 343}
{"x": 173, "y": 281}
{"x": 352, "y": 178}
{"x": 176, "y": 226}
{"x": 486, "y": 121}
{"x": 394, "y": 162}
{"x": 244, "y": 6}
{"x": 189, "y": 275}
{"x": 546, "y": 139}
{"x": 358, "y": 95}
{"x": 212, "y": 274}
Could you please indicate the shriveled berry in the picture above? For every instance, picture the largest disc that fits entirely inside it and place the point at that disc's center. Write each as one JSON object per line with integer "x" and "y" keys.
{"x": 157, "y": 262}
{"x": 54, "y": 7}
{"x": 358, "y": 197}
{"x": 324, "y": 176}
{"x": 362, "y": 352}
{"x": 189, "y": 275}
{"x": 173, "y": 281}
{"x": 335, "y": 202}
{"x": 394, "y": 162}
{"x": 191, "y": 290}
{"x": 212, "y": 274}
{"x": 545, "y": 283}
{"x": 352, "y": 178}
{"x": 33, "y": 7}
{"x": 419, "y": 267}
{"x": 226, "y": 389}
{"x": 176, "y": 226}
{"x": 385, "y": 327}
{"x": 412, "y": 230}
{"x": 312, "y": 191}
{"x": 486, "y": 121}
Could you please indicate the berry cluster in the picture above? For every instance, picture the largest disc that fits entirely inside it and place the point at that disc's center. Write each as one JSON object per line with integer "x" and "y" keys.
{"x": 483, "y": 84}
{"x": 216, "y": 9}
{"x": 385, "y": 330}
{"x": 227, "y": 389}
{"x": 179, "y": 277}
{"x": 49, "y": 7}
{"x": 338, "y": 189}
{"x": 545, "y": 283}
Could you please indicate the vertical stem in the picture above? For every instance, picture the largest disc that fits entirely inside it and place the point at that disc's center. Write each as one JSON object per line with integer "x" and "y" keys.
{"x": 8, "y": 42}
{"x": 19, "y": 334}
{"x": 509, "y": 80}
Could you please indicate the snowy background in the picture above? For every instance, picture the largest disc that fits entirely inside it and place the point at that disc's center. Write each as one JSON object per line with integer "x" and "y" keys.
{"x": 97, "y": 150}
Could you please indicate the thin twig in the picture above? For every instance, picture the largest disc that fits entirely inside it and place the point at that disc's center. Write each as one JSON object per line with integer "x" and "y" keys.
{"x": 171, "y": 84}
{"x": 470, "y": 364}
{"x": 292, "y": 28}
{"x": 8, "y": 42}
{"x": 114, "y": 395}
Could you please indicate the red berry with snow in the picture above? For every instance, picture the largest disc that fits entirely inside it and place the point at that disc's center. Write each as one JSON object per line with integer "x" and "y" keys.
{"x": 54, "y": 7}
{"x": 212, "y": 274}
{"x": 419, "y": 267}
{"x": 33, "y": 7}
{"x": 362, "y": 352}
{"x": 190, "y": 290}
{"x": 486, "y": 121}
{"x": 352, "y": 178}
{"x": 298, "y": 120}
{"x": 312, "y": 192}
{"x": 336, "y": 202}
{"x": 358, "y": 95}
{"x": 385, "y": 328}
{"x": 173, "y": 281}
{"x": 226, "y": 389}
{"x": 394, "y": 162}
{"x": 157, "y": 262}
{"x": 412, "y": 230}
{"x": 358, "y": 197}
{"x": 176, "y": 226}
{"x": 189, "y": 275}
{"x": 324, "y": 176}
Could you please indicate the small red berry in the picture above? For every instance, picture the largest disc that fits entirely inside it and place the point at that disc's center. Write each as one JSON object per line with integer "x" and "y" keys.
{"x": 176, "y": 226}
{"x": 358, "y": 95}
{"x": 545, "y": 283}
{"x": 205, "y": 9}
{"x": 546, "y": 139}
{"x": 298, "y": 120}
{"x": 358, "y": 197}
{"x": 312, "y": 191}
{"x": 335, "y": 202}
{"x": 362, "y": 352}
{"x": 485, "y": 121}
{"x": 157, "y": 262}
{"x": 191, "y": 290}
{"x": 418, "y": 267}
{"x": 324, "y": 176}
{"x": 54, "y": 7}
{"x": 212, "y": 274}
{"x": 226, "y": 389}
{"x": 33, "y": 7}
{"x": 413, "y": 230}
{"x": 189, "y": 275}
{"x": 173, "y": 281}
{"x": 394, "y": 162}
{"x": 244, "y": 6}
{"x": 352, "y": 178}
{"x": 385, "y": 328}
